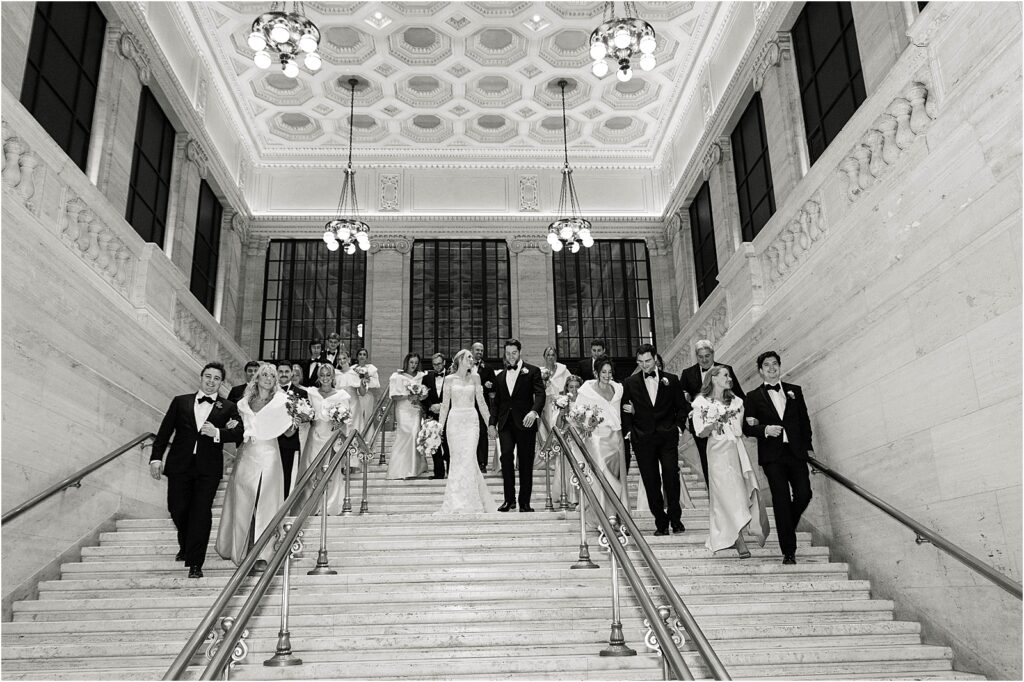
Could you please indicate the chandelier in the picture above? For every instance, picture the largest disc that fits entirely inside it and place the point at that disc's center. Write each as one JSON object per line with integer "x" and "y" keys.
{"x": 348, "y": 231}
{"x": 286, "y": 35}
{"x": 621, "y": 40}
{"x": 571, "y": 229}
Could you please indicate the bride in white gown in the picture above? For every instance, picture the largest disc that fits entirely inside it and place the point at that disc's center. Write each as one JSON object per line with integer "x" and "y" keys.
{"x": 466, "y": 492}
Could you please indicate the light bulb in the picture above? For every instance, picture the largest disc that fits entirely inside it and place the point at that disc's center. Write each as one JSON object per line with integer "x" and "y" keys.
{"x": 556, "y": 246}
{"x": 598, "y": 50}
{"x": 566, "y": 233}
{"x": 350, "y": 249}
{"x": 290, "y": 68}
{"x": 600, "y": 69}
{"x": 588, "y": 241}
{"x": 363, "y": 239}
{"x": 584, "y": 234}
{"x": 575, "y": 247}
{"x": 262, "y": 59}
{"x": 647, "y": 62}
{"x": 365, "y": 246}
{"x": 648, "y": 44}
{"x": 328, "y": 236}
{"x": 256, "y": 41}
{"x": 344, "y": 233}
{"x": 313, "y": 62}
{"x": 621, "y": 38}
{"x": 307, "y": 43}
{"x": 333, "y": 246}
{"x": 279, "y": 34}
{"x": 624, "y": 74}
{"x": 552, "y": 238}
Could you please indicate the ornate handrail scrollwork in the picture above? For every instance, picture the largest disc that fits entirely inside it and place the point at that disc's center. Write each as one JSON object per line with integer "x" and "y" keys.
{"x": 674, "y": 626}
{"x": 215, "y": 639}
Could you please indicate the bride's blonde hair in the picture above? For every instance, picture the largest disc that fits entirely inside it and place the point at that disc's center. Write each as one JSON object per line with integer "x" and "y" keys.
{"x": 457, "y": 360}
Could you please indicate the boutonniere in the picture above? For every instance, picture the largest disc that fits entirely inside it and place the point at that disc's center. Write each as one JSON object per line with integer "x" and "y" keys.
{"x": 218, "y": 404}
{"x": 524, "y": 371}
{"x": 791, "y": 395}
{"x": 664, "y": 381}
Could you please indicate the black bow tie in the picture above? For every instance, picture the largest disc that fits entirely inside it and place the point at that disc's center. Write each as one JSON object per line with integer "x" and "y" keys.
{"x": 773, "y": 387}
{"x": 510, "y": 367}
{"x": 205, "y": 399}
{"x": 650, "y": 375}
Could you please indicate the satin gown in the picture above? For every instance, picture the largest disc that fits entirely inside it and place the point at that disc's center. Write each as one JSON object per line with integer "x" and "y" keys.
{"x": 404, "y": 462}
{"x": 552, "y": 389}
{"x": 735, "y": 501}
{"x": 362, "y": 405}
{"x": 466, "y": 491}
{"x": 256, "y": 486}
{"x": 348, "y": 382}
{"x": 321, "y": 429}
{"x": 606, "y": 445}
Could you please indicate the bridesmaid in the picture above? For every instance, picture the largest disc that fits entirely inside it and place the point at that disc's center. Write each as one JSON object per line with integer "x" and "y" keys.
{"x": 364, "y": 400}
{"x": 347, "y": 381}
{"x": 323, "y": 399}
{"x": 554, "y": 374}
{"x": 256, "y": 487}
{"x": 404, "y": 462}
{"x": 605, "y": 443}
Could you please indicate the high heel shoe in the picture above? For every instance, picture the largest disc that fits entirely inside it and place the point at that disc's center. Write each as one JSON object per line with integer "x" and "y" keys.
{"x": 744, "y": 554}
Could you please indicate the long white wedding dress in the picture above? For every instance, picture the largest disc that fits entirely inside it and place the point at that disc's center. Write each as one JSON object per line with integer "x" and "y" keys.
{"x": 466, "y": 492}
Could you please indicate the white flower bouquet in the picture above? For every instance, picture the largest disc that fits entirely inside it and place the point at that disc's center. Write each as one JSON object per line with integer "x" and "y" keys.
{"x": 718, "y": 415}
{"x": 339, "y": 415}
{"x": 300, "y": 409}
{"x": 362, "y": 373}
{"x": 418, "y": 391}
{"x": 585, "y": 418}
{"x": 562, "y": 402}
{"x": 428, "y": 440}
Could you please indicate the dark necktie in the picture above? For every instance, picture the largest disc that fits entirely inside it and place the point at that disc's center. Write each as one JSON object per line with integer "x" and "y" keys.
{"x": 773, "y": 387}
{"x": 205, "y": 399}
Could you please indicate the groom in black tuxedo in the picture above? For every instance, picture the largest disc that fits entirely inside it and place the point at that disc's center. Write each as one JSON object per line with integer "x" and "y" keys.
{"x": 435, "y": 383}
{"x": 201, "y": 423}
{"x": 692, "y": 380}
{"x": 658, "y": 413}
{"x": 519, "y": 399}
{"x": 776, "y": 414}
{"x": 486, "y": 374}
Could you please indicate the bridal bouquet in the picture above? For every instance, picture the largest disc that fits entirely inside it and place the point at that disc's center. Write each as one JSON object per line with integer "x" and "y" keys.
{"x": 429, "y": 438}
{"x": 418, "y": 391}
{"x": 339, "y": 415}
{"x": 718, "y": 415}
{"x": 362, "y": 373}
{"x": 562, "y": 402}
{"x": 585, "y": 418}
{"x": 299, "y": 409}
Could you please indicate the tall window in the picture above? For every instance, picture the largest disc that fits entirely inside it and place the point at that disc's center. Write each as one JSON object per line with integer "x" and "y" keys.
{"x": 603, "y": 292}
{"x": 62, "y": 72}
{"x": 753, "y": 170}
{"x": 702, "y": 229}
{"x": 150, "y": 184}
{"x": 207, "y": 246}
{"x": 461, "y": 293}
{"x": 311, "y": 292}
{"x": 828, "y": 70}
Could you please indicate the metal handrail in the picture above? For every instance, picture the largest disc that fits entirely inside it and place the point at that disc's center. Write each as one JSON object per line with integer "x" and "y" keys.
{"x": 75, "y": 479}
{"x": 698, "y": 637}
{"x": 923, "y": 534}
{"x": 311, "y": 500}
{"x": 669, "y": 648}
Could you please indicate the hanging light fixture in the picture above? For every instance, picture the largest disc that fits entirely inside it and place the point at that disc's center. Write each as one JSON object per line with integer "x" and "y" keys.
{"x": 571, "y": 229}
{"x": 347, "y": 230}
{"x": 288, "y": 35}
{"x": 622, "y": 40}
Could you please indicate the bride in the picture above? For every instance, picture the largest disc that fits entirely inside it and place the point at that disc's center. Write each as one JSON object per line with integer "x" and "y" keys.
{"x": 466, "y": 492}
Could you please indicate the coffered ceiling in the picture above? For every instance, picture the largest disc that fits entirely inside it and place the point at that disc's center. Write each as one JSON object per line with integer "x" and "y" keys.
{"x": 477, "y": 80}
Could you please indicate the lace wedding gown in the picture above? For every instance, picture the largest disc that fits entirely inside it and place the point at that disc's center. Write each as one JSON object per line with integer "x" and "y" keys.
{"x": 466, "y": 492}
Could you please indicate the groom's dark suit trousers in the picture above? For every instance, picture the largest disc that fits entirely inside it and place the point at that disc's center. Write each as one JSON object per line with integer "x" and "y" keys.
{"x": 190, "y": 501}
{"x": 523, "y": 442}
{"x": 657, "y": 458}
{"x": 782, "y": 474}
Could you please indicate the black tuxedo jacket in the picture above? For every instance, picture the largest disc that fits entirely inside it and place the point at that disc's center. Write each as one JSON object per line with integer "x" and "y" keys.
{"x": 180, "y": 421}
{"x": 291, "y": 443}
{"x": 433, "y": 397}
{"x": 236, "y": 392}
{"x": 308, "y": 380}
{"x": 690, "y": 381}
{"x": 664, "y": 417}
{"x": 486, "y": 374}
{"x": 585, "y": 370}
{"x": 796, "y": 422}
{"x": 528, "y": 395}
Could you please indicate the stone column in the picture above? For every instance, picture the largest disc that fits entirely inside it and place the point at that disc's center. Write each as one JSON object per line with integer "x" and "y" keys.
{"x": 881, "y": 38}
{"x": 776, "y": 79}
{"x": 17, "y": 19}
{"x": 124, "y": 71}
{"x": 533, "y": 296}
{"x": 721, "y": 176}
{"x": 227, "y": 303}
{"x": 388, "y": 273}
{"x": 188, "y": 171}
{"x": 682, "y": 263}
{"x": 659, "y": 253}
{"x": 254, "y": 276}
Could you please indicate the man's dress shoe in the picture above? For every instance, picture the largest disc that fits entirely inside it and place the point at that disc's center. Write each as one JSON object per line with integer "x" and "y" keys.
{"x": 180, "y": 556}
{"x": 526, "y": 508}
{"x": 507, "y": 506}
{"x": 661, "y": 531}
{"x": 678, "y": 528}
{"x": 195, "y": 572}
{"x": 789, "y": 558}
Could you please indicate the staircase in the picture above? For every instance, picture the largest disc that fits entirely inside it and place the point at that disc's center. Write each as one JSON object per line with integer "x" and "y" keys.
{"x": 485, "y": 596}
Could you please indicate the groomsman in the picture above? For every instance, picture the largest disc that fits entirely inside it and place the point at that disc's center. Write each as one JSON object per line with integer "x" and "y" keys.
{"x": 330, "y": 354}
{"x": 486, "y": 373}
{"x": 434, "y": 381}
{"x": 658, "y": 412}
{"x": 312, "y": 366}
{"x": 236, "y": 392}
{"x": 290, "y": 445}
{"x": 776, "y": 415}
{"x": 518, "y": 402}
{"x": 585, "y": 370}
{"x": 201, "y": 423}
{"x": 692, "y": 379}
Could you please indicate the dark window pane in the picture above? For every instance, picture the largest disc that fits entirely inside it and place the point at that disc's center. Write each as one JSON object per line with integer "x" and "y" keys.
{"x": 206, "y": 250}
{"x": 702, "y": 230}
{"x": 151, "y": 174}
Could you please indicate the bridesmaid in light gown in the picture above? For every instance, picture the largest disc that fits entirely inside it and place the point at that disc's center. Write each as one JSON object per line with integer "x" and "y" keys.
{"x": 403, "y": 461}
{"x": 466, "y": 491}
{"x": 556, "y": 374}
{"x": 365, "y": 399}
{"x": 321, "y": 429}
{"x": 256, "y": 487}
{"x": 347, "y": 381}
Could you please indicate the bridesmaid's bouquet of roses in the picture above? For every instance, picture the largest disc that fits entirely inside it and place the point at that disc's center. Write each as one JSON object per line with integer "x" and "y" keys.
{"x": 362, "y": 373}
{"x": 339, "y": 415}
{"x": 562, "y": 402}
{"x": 545, "y": 374}
{"x": 418, "y": 391}
{"x": 718, "y": 415}
{"x": 585, "y": 418}
{"x": 299, "y": 409}
{"x": 428, "y": 440}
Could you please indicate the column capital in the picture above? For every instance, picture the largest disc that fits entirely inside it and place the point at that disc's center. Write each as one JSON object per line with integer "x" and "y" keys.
{"x": 771, "y": 54}
{"x": 195, "y": 154}
{"x": 712, "y": 157}
{"x": 390, "y": 242}
{"x": 521, "y": 243}
{"x": 128, "y": 46}
{"x": 257, "y": 245}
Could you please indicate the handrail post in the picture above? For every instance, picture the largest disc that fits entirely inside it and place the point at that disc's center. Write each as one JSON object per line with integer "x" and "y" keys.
{"x": 584, "y": 559}
{"x": 283, "y": 654}
{"x": 213, "y": 642}
{"x": 346, "y": 504}
{"x": 616, "y": 641}
{"x": 322, "y": 566}
{"x": 383, "y": 458}
{"x": 651, "y": 637}
{"x": 364, "y": 456}
{"x": 549, "y": 451}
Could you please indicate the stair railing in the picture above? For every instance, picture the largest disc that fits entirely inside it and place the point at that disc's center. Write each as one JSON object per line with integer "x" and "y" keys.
{"x": 75, "y": 479}
{"x": 228, "y": 648}
{"x": 688, "y": 622}
{"x": 922, "y": 533}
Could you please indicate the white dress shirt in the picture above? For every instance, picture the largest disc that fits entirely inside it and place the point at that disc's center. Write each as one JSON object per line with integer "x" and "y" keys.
{"x": 652, "y": 386}
{"x": 778, "y": 399}
{"x": 202, "y": 413}
{"x": 511, "y": 375}
{"x": 439, "y": 384}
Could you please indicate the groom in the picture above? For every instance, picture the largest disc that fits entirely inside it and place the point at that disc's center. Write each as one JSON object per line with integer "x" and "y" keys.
{"x": 518, "y": 401}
